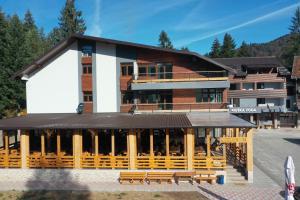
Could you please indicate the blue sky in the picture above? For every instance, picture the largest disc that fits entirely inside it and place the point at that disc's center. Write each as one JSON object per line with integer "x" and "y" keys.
{"x": 192, "y": 23}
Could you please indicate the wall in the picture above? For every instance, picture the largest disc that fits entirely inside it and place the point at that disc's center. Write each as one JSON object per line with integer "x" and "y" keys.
{"x": 54, "y": 88}
{"x": 106, "y": 78}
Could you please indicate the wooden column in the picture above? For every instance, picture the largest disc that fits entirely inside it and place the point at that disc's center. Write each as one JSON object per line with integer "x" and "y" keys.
{"x": 132, "y": 149}
{"x": 184, "y": 141}
{"x": 190, "y": 137}
{"x": 207, "y": 132}
{"x": 249, "y": 165}
{"x": 48, "y": 140}
{"x": 151, "y": 143}
{"x": 58, "y": 143}
{"x": 24, "y": 148}
{"x": 167, "y": 142}
{"x": 6, "y": 147}
{"x": 77, "y": 147}
{"x": 96, "y": 143}
{"x": 138, "y": 140}
{"x": 43, "y": 143}
{"x": 113, "y": 142}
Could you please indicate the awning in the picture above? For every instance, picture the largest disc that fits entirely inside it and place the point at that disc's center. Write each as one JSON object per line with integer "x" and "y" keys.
{"x": 123, "y": 121}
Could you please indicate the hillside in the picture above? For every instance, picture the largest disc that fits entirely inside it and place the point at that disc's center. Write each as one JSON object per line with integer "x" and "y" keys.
{"x": 273, "y": 48}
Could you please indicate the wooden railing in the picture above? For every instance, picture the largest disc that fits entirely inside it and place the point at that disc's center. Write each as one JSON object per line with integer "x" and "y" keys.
{"x": 161, "y": 162}
{"x": 236, "y": 156}
{"x": 50, "y": 161}
{"x": 10, "y": 161}
{"x": 173, "y": 107}
{"x": 105, "y": 162}
{"x": 213, "y": 162}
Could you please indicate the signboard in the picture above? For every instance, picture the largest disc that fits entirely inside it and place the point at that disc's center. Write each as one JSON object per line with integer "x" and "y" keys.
{"x": 245, "y": 110}
{"x": 233, "y": 140}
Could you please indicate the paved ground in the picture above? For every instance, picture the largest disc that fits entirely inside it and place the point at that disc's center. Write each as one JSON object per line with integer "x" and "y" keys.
{"x": 271, "y": 147}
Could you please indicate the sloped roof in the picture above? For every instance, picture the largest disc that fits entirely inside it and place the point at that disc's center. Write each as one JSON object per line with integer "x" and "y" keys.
{"x": 123, "y": 121}
{"x": 63, "y": 44}
{"x": 296, "y": 67}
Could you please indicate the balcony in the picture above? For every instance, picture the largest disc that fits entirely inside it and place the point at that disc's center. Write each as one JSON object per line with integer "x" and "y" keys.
{"x": 178, "y": 80}
{"x": 174, "y": 107}
{"x": 258, "y": 93}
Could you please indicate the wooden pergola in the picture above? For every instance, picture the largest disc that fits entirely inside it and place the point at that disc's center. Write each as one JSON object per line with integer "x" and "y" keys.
{"x": 235, "y": 139}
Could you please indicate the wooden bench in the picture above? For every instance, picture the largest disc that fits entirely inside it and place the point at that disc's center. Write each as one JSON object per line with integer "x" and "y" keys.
{"x": 132, "y": 176}
{"x": 160, "y": 176}
{"x": 205, "y": 175}
{"x": 187, "y": 175}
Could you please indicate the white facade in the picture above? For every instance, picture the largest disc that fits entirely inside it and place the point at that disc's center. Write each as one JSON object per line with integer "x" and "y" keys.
{"x": 54, "y": 88}
{"x": 106, "y": 78}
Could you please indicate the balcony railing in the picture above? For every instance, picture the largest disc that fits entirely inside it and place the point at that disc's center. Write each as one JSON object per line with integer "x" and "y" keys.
{"x": 173, "y": 107}
{"x": 180, "y": 76}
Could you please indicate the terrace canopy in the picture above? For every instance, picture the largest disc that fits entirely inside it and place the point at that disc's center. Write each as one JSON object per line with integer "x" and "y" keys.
{"x": 124, "y": 121}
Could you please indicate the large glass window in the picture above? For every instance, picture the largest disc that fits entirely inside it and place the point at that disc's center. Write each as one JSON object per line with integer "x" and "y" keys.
{"x": 209, "y": 95}
{"x": 142, "y": 70}
{"x": 88, "y": 96}
{"x": 127, "y": 98}
{"x": 127, "y": 69}
{"x": 87, "y": 69}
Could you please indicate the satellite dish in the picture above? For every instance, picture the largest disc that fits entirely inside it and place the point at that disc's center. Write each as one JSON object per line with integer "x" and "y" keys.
{"x": 80, "y": 108}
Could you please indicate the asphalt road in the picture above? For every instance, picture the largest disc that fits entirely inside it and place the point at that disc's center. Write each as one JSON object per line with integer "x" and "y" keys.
{"x": 271, "y": 147}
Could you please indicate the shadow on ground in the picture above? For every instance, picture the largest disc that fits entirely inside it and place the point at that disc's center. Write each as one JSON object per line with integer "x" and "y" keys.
{"x": 54, "y": 184}
{"x": 212, "y": 193}
{"x": 293, "y": 140}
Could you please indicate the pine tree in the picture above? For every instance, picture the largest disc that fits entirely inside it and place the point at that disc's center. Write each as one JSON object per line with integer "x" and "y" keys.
{"x": 215, "y": 51}
{"x": 71, "y": 20}
{"x": 295, "y": 27}
{"x": 164, "y": 40}
{"x": 29, "y": 21}
{"x": 294, "y": 49}
{"x": 243, "y": 50}
{"x": 228, "y": 47}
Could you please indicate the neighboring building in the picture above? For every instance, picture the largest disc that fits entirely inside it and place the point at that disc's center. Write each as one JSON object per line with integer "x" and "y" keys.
{"x": 296, "y": 77}
{"x": 258, "y": 91}
{"x": 119, "y": 83}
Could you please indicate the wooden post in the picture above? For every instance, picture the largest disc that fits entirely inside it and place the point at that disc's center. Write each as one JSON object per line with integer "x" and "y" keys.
{"x": 138, "y": 140}
{"x": 6, "y": 146}
{"x": 250, "y": 156}
{"x": 43, "y": 143}
{"x": 113, "y": 142}
{"x": 58, "y": 143}
{"x": 132, "y": 149}
{"x": 48, "y": 140}
{"x": 77, "y": 147}
{"x": 184, "y": 142}
{"x": 24, "y": 148}
{"x": 207, "y": 130}
{"x": 151, "y": 143}
{"x": 167, "y": 142}
{"x": 190, "y": 137}
{"x": 96, "y": 143}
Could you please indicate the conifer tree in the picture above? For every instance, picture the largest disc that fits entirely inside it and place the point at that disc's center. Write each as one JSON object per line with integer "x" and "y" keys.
{"x": 215, "y": 51}
{"x": 243, "y": 50}
{"x": 228, "y": 47}
{"x": 295, "y": 26}
{"x": 164, "y": 40}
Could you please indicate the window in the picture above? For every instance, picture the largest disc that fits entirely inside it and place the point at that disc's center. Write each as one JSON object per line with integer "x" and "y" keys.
{"x": 260, "y": 86}
{"x": 142, "y": 71}
{"x": 87, "y": 50}
{"x": 288, "y": 103}
{"x": 87, "y": 97}
{"x": 261, "y": 101}
{"x": 152, "y": 70}
{"x": 127, "y": 98}
{"x": 290, "y": 90}
{"x": 127, "y": 69}
{"x": 87, "y": 69}
{"x": 209, "y": 95}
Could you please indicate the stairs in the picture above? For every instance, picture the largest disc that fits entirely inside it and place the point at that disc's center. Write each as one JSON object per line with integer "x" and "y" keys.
{"x": 234, "y": 176}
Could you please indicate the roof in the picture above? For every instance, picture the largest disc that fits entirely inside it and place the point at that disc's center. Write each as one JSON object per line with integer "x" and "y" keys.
{"x": 63, "y": 44}
{"x": 238, "y": 63}
{"x": 255, "y": 62}
{"x": 296, "y": 67}
{"x": 122, "y": 121}
{"x": 217, "y": 120}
